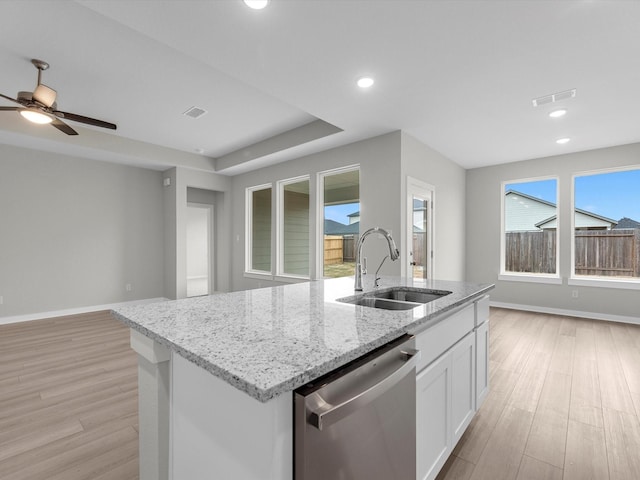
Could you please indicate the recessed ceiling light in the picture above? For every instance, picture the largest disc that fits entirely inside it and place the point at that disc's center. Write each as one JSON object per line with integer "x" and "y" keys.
{"x": 256, "y": 4}
{"x": 560, "y": 112}
{"x": 562, "y": 141}
{"x": 199, "y": 150}
{"x": 365, "y": 82}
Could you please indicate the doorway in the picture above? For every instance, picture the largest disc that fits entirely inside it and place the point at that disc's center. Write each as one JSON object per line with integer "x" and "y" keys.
{"x": 199, "y": 248}
{"x": 420, "y": 213}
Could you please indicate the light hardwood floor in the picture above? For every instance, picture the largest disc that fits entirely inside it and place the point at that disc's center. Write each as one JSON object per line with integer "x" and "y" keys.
{"x": 564, "y": 401}
{"x": 68, "y": 400}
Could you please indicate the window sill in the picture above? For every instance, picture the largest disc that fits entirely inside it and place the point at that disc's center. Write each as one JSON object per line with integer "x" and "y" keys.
{"x": 604, "y": 282}
{"x": 258, "y": 275}
{"x": 530, "y": 278}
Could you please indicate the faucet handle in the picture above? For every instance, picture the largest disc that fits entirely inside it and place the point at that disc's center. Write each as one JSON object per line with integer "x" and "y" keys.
{"x": 364, "y": 266}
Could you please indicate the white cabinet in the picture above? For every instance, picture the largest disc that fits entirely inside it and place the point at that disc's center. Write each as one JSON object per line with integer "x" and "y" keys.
{"x": 451, "y": 383}
{"x": 463, "y": 385}
{"x": 482, "y": 363}
{"x": 482, "y": 350}
{"x": 433, "y": 417}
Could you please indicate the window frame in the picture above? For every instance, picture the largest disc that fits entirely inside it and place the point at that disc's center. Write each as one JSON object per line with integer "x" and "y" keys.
{"x": 248, "y": 258}
{"x": 320, "y": 176}
{"x": 280, "y": 218}
{"x": 596, "y": 280}
{"x": 548, "y": 278}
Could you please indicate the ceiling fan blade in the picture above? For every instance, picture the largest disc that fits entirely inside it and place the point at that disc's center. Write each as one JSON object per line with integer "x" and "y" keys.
{"x": 8, "y": 109}
{"x": 83, "y": 119}
{"x": 63, "y": 127}
{"x": 44, "y": 95}
{"x": 9, "y": 98}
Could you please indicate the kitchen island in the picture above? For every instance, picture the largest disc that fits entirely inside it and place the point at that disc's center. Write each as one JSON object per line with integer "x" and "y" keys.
{"x": 216, "y": 373}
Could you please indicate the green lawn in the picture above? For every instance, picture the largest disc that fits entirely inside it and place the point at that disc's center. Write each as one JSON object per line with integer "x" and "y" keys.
{"x": 340, "y": 270}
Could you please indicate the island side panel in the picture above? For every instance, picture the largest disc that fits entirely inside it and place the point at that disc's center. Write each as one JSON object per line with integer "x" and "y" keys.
{"x": 218, "y": 431}
{"x": 153, "y": 406}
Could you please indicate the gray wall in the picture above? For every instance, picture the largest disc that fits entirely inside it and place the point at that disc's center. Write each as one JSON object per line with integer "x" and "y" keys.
{"x": 379, "y": 160}
{"x": 449, "y": 179}
{"x": 483, "y": 233}
{"x": 74, "y": 232}
{"x": 175, "y": 197}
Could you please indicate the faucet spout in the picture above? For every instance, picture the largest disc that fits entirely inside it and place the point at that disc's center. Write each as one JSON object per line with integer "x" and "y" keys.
{"x": 393, "y": 252}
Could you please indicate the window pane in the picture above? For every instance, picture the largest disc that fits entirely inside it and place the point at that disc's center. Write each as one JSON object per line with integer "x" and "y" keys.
{"x": 295, "y": 229}
{"x": 530, "y": 224}
{"x": 607, "y": 230}
{"x": 261, "y": 230}
{"x": 341, "y": 223}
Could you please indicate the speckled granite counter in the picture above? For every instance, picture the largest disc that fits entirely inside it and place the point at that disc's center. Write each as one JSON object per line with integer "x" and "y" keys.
{"x": 270, "y": 341}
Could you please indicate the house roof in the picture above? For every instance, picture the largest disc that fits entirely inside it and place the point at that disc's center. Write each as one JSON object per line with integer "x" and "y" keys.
{"x": 354, "y": 214}
{"x": 552, "y": 218}
{"x": 331, "y": 227}
{"x": 626, "y": 222}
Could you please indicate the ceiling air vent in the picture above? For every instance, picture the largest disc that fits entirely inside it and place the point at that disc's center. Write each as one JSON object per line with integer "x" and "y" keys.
{"x": 195, "y": 112}
{"x": 554, "y": 97}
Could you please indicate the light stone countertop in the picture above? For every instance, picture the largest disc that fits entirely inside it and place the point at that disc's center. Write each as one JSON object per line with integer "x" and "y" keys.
{"x": 269, "y": 341}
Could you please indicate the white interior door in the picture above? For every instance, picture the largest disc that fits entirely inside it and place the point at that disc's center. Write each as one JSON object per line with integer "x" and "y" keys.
{"x": 199, "y": 248}
{"x": 419, "y": 235}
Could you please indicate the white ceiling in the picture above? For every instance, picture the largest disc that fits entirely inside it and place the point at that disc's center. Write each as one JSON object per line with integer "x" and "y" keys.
{"x": 280, "y": 83}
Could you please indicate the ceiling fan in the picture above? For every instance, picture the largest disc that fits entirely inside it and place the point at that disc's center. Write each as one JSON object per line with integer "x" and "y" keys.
{"x": 40, "y": 107}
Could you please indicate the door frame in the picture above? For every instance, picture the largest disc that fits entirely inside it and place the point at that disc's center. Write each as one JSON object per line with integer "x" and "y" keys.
{"x": 427, "y": 192}
{"x": 210, "y": 243}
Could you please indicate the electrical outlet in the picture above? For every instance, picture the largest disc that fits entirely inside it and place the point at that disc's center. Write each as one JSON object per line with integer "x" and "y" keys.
{"x": 127, "y": 287}
{"x": 574, "y": 293}
{"x": 1, "y": 299}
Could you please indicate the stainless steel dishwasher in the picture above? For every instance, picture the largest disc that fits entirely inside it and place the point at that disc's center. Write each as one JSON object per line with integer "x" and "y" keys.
{"x": 359, "y": 422}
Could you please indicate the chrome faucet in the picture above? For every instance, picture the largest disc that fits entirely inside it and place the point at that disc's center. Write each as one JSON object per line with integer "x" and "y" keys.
{"x": 393, "y": 253}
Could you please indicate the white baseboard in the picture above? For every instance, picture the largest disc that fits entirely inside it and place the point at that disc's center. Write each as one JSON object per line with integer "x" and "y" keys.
{"x": 569, "y": 313}
{"x": 75, "y": 311}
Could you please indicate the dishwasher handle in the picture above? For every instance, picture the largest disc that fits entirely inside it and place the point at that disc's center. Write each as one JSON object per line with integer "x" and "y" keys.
{"x": 328, "y": 414}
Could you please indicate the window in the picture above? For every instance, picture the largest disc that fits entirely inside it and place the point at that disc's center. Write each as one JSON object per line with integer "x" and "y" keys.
{"x": 606, "y": 226}
{"x": 340, "y": 215}
{"x": 529, "y": 226}
{"x": 258, "y": 217}
{"x": 293, "y": 228}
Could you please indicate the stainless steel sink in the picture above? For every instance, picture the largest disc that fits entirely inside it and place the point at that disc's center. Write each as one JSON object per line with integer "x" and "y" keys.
{"x": 396, "y": 298}
{"x": 384, "y": 303}
{"x": 406, "y": 294}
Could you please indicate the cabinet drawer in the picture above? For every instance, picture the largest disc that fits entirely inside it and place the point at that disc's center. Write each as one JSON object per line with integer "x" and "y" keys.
{"x": 436, "y": 340}
{"x": 482, "y": 310}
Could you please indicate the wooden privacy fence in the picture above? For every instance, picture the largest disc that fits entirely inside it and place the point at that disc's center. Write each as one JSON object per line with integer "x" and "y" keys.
{"x": 339, "y": 249}
{"x": 597, "y": 252}
{"x": 532, "y": 252}
{"x": 608, "y": 253}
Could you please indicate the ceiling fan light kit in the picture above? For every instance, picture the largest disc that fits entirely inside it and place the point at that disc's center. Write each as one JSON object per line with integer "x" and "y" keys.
{"x": 35, "y": 116}
{"x": 40, "y": 106}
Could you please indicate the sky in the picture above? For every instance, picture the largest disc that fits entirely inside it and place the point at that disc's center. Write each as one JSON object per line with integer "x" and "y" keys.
{"x": 613, "y": 195}
{"x": 338, "y": 213}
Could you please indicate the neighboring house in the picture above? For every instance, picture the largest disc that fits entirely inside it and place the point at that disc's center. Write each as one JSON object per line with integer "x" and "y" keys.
{"x": 524, "y": 213}
{"x": 627, "y": 223}
{"x": 354, "y": 217}
{"x": 331, "y": 227}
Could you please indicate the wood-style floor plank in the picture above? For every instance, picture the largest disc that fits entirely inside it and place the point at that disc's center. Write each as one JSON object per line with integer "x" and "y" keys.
{"x": 564, "y": 401}
{"x": 68, "y": 400}
{"x": 574, "y": 381}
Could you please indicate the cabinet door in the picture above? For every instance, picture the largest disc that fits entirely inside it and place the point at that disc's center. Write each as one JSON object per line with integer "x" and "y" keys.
{"x": 433, "y": 417}
{"x": 482, "y": 363}
{"x": 463, "y": 383}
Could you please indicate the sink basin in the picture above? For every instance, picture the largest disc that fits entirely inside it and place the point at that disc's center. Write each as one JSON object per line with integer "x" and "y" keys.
{"x": 396, "y": 298}
{"x": 383, "y": 303}
{"x": 410, "y": 294}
